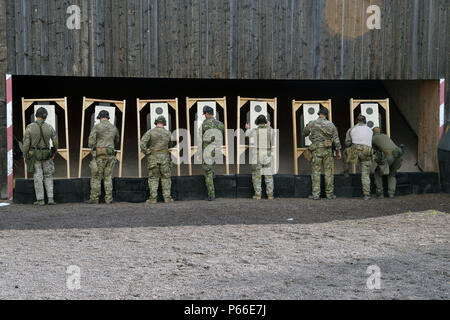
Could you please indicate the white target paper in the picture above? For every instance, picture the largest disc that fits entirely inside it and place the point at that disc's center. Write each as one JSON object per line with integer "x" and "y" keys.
{"x": 156, "y": 110}
{"x": 112, "y": 114}
{"x": 257, "y": 108}
{"x": 372, "y": 114}
{"x": 310, "y": 111}
{"x": 51, "y": 117}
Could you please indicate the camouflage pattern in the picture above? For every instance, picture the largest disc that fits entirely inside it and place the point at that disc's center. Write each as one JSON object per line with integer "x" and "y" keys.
{"x": 261, "y": 158}
{"x": 391, "y": 161}
{"x": 155, "y": 145}
{"x": 364, "y": 154}
{"x": 209, "y": 164}
{"x": 323, "y": 135}
{"x": 103, "y": 135}
{"x": 43, "y": 170}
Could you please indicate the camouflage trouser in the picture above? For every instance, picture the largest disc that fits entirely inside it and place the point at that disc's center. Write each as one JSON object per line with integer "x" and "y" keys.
{"x": 322, "y": 156}
{"x": 394, "y": 164}
{"x": 159, "y": 166}
{"x": 102, "y": 169}
{"x": 43, "y": 174}
{"x": 364, "y": 155}
{"x": 257, "y": 173}
{"x": 209, "y": 181}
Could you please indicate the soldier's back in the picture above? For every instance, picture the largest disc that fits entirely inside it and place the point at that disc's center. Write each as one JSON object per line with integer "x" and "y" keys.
{"x": 106, "y": 133}
{"x": 35, "y": 133}
{"x": 321, "y": 129}
{"x": 383, "y": 143}
{"x": 159, "y": 139}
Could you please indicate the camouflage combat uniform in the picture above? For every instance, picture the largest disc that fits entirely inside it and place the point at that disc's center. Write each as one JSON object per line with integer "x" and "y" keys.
{"x": 44, "y": 169}
{"x": 208, "y": 156}
{"x": 155, "y": 144}
{"x": 361, "y": 152}
{"x": 389, "y": 160}
{"x": 261, "y": 157}
{"x": 323, "y": 135}
{"x": 102, "y": 139}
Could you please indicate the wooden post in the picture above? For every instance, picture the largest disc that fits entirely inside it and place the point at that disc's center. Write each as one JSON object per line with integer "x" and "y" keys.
{"x": 138, "y": 109}
{"x": 238, "y": 128}
{"x": 82, "y": 136}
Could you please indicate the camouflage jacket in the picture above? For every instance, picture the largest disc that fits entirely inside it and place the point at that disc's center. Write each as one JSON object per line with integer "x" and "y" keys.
{"x": 156, "y": 140}
{"x": 323, "y": 133}
{"x": 261, "y": 136}
{"x": 32, "y": 137}
{"x": 382, "y": 142}
{"x": 104, "y": 135}
{"x": 208, "y": 124}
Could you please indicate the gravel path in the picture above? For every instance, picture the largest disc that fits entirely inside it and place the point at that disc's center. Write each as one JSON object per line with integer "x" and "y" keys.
{"x": 229, "y": 249}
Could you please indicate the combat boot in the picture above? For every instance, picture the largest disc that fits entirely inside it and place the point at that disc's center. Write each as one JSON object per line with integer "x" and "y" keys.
{"x": 168, "y": 200}
{"x": 151, "y": 201}
{"x": 51, "y": 202}
{"x": 270, "y": 197}
{"x": 314, "y": 197}
{"x": 391, "y": 196}
{"x": 367, "y": 198}
{"x": 211, "y": 198}
{"x": 380, "y": 196}
{"x": 331, "y": 197}
{"x": 91, "y": 202}
{"x": 39, "y": 203}
{"x": 257, "y": 197}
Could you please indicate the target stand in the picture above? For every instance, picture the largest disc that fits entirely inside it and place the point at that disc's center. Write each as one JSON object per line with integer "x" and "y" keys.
{"x": 310, "y": 110}
{"x": 84, "y": 151}
{"x": 258, "y": 109}
{"x": 52, "y": 120}
{"x": 369, "y": 109}
{"x": 201, "y": 102}
{"x": 158, "y": 107}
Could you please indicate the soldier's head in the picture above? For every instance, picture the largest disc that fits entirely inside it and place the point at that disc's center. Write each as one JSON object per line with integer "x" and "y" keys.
{"x": 261, "y": 120}
{"x": 41, "y": 113}
{"x": 103, "y": 115}
{"x": 208, "y": 112}
{"x": 161, "y": 121}
{"x": 376, "y": 130}
{"x": 323, "y": 112}
{"x": 361, "y": 119}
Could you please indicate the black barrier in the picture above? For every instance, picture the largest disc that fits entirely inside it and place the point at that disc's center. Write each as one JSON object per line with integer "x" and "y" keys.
{"x": 227, "y": 186}
{"x": 444, "y": 159}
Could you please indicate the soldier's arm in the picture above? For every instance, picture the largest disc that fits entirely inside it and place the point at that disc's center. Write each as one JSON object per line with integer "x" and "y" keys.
{"x": 348, "y": 138}
{"x": 222, "y": 128}
{"x": 92, "y": 142}
{"x": 54, "y": 138}
{"x": 336, "y": 141}
{"x": 144, "y": 142}
{"x": 117, "y": 137}
{"x": 26, "y": 141}
{"x": 306, "y": 130}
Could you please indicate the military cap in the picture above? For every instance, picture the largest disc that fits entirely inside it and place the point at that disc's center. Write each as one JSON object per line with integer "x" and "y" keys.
{"x": 209, "y": 110}
{"x": 103, "y": 114}
{"x": 41, "y": 113}
{"x": 160, "y": 119}
{"x": 323, "y": 111}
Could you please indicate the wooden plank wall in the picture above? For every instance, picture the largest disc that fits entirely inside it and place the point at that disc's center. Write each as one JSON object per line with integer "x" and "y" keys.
{"x": 249, "y": 39}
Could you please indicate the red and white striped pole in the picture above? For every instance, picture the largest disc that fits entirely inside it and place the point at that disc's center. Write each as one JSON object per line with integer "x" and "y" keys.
{"x": 442, "y": 108}
{"x": 9, "y": 134}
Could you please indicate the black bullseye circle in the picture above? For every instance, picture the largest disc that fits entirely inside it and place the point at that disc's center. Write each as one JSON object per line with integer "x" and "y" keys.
{"x": 311, "y": 110}
{"x": 159, "y": 110}
{"x": 258, "y": 108}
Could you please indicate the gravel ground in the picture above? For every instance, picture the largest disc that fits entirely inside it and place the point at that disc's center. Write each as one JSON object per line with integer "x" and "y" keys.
{"x": 229, "y": 249}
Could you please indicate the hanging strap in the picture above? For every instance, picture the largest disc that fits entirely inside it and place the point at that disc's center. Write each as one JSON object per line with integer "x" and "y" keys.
{"x": 41, "y": 138}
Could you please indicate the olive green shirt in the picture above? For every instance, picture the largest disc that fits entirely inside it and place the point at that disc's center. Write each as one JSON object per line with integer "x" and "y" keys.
{"x": 32, "y": 137}
{"x": 104, "y": 135}
{"x": 322, "y": 130}
{"x": 383, "y": 143}
{"x": 156, "y": 140}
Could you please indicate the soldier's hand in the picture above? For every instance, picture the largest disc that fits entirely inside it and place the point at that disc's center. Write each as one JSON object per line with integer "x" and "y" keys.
{"x": 53, "y": 156}
{"x": 339, "y": 155}
{"x": 247, "y": 126}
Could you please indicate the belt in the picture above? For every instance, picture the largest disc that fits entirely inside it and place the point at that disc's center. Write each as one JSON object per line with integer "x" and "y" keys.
{"x": 39, "y": 148}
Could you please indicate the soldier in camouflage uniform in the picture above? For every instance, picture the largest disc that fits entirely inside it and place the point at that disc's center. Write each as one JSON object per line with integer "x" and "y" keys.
{"x": 155, "y": 145}
{"x": 389, "y": 160}
{"x": 323, "y": 135}
{"x": 39, "y": 156}
{"x": 261, "y": 156}
{"x": 208, "y": 155}
{"x": 358, "y": 141}
{"x": 102, "y": 141}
